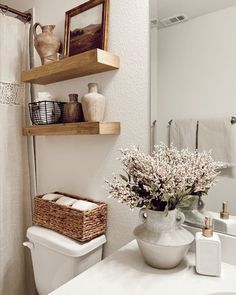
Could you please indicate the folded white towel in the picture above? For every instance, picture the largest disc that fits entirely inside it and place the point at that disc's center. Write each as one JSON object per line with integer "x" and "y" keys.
{"x": 218, "y": 135}
{"x": 183, "y": 134}
{"x": 51, "y": 197}
{"x": 66, "y": 201}
{"x": 84, "y": 205}
{"x": 44, "y": 96}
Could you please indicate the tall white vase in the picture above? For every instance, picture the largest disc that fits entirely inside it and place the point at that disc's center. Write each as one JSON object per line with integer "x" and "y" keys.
{"x": 93, "y": 104}
{"x": 161, "y": 239}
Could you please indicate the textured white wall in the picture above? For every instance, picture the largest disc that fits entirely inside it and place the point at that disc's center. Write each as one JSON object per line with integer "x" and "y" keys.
{"x": 197, "y": 79}
{"x": 79, "y": 164}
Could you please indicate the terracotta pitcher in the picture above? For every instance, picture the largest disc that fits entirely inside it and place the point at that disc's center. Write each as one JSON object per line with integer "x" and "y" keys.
{"x": 46, "y": 43}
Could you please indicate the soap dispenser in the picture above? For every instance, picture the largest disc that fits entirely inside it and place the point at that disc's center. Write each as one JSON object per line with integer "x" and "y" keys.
{"x": 223, "y": 222}
{"x": 208, "y": 250}
{"x": 224, "y": 214}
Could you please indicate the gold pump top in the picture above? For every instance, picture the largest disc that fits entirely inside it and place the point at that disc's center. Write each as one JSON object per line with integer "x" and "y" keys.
{"x": 207, "y": 229}
{"x": 224, "y": 214}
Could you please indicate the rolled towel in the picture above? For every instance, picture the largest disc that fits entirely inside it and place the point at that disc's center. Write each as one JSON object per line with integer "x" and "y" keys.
{"x": 51, "y": 197}
{"x": 44, "y": 96}
{"x": 66, "y": 201}
{"x": 49, "y": 112}
{"x": 84, "y": 205}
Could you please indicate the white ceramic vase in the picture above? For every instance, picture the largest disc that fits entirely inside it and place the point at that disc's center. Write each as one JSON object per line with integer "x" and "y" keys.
{"x": 161, "y": 239}
{"x": 93, "y": 104}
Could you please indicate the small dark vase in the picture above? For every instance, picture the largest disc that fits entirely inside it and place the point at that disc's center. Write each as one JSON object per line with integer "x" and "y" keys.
{"x": 72, "y": 111}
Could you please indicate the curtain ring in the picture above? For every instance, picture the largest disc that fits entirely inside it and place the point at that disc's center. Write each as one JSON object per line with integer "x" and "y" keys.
{"x": 29, "y": 17}
{"x": 5, "y": 10}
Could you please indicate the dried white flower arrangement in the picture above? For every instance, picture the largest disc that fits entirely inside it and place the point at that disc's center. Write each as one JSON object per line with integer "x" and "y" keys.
{"x": 165, "y": 180}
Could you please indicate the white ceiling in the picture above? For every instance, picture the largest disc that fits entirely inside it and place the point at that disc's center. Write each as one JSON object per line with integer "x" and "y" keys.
{"x": 192, "y": 8}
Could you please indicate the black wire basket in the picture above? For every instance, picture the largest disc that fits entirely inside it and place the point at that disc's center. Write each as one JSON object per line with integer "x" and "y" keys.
{"x": 46, "y": 112}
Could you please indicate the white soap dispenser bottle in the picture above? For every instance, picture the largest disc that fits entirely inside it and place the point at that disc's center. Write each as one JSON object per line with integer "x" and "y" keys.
{"x": 208, "y": 250}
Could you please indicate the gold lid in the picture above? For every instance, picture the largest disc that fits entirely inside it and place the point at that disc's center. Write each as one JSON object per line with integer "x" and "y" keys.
{"x": 224, "y": 214}
{"x": 207, "y": 229}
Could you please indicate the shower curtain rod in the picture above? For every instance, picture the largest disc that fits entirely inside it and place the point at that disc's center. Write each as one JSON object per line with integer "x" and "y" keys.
{"x": 6, "y": 9}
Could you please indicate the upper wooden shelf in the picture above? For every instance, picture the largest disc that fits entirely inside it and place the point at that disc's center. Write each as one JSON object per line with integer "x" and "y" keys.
{"x": 87, "y": 63}
{"x": 83, "y": 128}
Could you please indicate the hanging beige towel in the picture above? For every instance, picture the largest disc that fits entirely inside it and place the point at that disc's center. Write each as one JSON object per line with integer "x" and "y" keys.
{"x": 218, "y": 135}
{"x": 182, "y": 134}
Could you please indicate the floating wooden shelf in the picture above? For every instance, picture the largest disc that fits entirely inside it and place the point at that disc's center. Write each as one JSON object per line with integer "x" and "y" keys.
{"x": 87, "y": 63}
{"x": 89, "y": 128}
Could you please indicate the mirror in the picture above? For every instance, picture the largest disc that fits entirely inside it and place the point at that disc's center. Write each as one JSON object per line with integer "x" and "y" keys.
{"x": 193, "y": 92}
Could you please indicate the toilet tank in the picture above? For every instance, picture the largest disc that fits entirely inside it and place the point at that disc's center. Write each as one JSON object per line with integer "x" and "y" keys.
{"x": 58, "y": 259}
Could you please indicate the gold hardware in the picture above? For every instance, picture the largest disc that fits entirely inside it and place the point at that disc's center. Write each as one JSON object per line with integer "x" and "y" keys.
{"x": 207, "y": 229}
{"x": 224, "y": 214}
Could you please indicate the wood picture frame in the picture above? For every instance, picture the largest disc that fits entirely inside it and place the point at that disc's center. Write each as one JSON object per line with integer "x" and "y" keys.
{"x": 96, "y": 35}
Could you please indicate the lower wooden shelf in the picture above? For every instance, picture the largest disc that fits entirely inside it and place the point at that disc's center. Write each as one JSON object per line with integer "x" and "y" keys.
{"x": 83, "y": 128}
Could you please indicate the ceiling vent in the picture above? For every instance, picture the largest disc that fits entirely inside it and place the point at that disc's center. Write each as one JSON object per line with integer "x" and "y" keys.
{"x": 169, "y": 21}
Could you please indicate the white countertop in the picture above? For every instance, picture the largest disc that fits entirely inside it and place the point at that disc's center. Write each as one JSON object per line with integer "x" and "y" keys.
{"x": 125, "y": 272}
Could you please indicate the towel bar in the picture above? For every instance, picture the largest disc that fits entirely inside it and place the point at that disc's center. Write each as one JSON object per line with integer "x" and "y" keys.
{"x": 233, "y": 121}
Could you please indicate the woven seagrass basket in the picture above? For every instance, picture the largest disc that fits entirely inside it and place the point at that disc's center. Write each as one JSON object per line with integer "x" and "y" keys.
{"x": 79, "y": 225}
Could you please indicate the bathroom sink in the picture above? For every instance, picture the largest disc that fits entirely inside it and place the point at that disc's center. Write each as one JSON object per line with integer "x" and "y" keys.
{"x": 118, "y": 274}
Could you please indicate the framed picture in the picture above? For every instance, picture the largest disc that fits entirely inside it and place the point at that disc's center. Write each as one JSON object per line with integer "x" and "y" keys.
{"x": 86, "y": 27}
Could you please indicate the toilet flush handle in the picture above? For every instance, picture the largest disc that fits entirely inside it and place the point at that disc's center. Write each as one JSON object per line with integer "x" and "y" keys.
{"x": 29, "y": 245}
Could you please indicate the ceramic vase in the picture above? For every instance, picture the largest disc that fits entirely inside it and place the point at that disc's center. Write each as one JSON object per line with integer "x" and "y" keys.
{"x": 72, "y": 111}
{"x": 93, "y": 104}
{"x": 161, "y": 239}
{"x": 46, "y": 43}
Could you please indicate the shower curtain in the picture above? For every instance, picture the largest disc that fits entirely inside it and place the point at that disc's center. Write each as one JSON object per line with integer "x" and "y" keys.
{"x": 15, "y": 205}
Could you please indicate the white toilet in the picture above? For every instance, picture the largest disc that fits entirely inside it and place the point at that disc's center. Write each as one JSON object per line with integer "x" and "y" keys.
{"x": 58, "y": 259}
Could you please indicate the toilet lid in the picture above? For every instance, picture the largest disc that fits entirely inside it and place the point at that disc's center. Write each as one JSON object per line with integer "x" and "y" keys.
{"x": 62, "y": 244}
